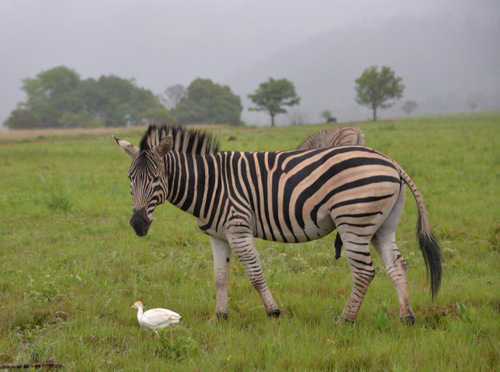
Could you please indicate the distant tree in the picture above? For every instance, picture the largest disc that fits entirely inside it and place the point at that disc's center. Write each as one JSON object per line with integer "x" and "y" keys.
{"x": 49, "y": 85}
{"x": 157, "y": 115}
{"x": 61, "y": 99}
{"x": 118, "y": 101}
{"x": 472, "y": 106}
{"x": 409, "y": 107}
{"x": 272, "y": 95}
{"x": 190, "y": 112}
{"x": 23, "y": 119}
{"x": 50, "y": 94}
{"x": 81, "y": 119}
{"x": 209, "y": 103}
{"x": 375, "y": 89}
{"x": 173, "y": 95}
{"x": 326, "y": 114}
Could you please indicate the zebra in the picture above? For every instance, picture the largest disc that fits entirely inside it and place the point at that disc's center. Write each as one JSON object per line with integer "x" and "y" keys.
{"x": 340, "y": 136}
{"x": 287, "y": 196}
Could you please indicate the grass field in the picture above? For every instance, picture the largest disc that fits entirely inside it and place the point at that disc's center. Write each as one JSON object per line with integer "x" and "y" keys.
{"x": 70, "y": 265}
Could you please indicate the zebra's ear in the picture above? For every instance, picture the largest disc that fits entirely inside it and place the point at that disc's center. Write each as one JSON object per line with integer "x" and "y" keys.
{"x": 164, "y": 146}
{"x": 127, "y": 148}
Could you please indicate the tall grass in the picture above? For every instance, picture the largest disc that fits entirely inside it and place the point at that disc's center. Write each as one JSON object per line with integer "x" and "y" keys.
{"x": 70, "y": 265}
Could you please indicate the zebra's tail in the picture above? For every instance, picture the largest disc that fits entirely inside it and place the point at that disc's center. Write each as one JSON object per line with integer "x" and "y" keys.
{"x": 428, "y": 243}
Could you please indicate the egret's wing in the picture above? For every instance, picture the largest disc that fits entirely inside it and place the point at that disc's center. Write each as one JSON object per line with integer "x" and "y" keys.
{"x": 160, "y": 317}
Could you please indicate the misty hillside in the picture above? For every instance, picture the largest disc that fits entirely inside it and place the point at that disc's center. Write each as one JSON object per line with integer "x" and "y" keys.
{"x": 444, "y": 66}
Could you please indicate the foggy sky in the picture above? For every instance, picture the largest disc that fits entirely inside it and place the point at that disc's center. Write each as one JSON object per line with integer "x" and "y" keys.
{"x": 165, "y": 42}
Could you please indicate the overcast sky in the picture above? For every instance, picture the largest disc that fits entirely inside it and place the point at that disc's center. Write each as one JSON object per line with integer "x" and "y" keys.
{"x": 165, "y": 42}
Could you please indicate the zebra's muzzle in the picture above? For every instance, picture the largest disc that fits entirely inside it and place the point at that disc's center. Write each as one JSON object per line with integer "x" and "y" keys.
{"x": 140, "y": 222}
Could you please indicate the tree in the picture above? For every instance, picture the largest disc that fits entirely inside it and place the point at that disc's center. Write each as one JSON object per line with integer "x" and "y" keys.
{"x": 173, "y": 95}
{"x": 209, "y": 103}
{"x": 273, "y": 95}
{"x": 81, "y": 119}
{"x": 376, "y": 89}
{"x": 119, "y": 101}
{"x": 23, "y": 119}
{"x": 59, "y": 98}
{"x": 326, "y": 114}
{"x": 409, "y": 107}
{"x": 49, "y": 85}
{"x": 50, "y": 94}
{"x": 157, "y": 115}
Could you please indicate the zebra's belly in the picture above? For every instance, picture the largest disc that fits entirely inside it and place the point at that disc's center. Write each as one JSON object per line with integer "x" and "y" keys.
{"x": 296, "y": 234}
{"x": 312, "y": 232}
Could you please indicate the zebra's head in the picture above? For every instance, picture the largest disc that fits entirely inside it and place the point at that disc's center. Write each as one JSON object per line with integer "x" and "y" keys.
{"x": 147, "y": 180}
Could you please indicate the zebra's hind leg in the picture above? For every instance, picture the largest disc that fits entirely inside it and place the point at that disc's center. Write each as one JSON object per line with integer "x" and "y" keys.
{"x": 384, "y": 242}
{"x": 395, "y": 265}
{"x": 244, "y": 248}
{"x": 360, "y": 262}
{"x": 222, "y": 262}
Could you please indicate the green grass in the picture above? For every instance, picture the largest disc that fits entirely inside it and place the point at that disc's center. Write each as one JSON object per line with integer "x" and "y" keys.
{"x": 70, "y": 265}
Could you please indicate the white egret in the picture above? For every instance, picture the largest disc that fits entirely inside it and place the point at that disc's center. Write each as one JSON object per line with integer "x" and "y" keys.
{"x": 155, "y": 318}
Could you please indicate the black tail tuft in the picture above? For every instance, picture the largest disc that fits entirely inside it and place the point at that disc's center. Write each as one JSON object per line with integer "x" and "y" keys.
{"x": 432, "y": 256}
{"x": 338, "y": 246}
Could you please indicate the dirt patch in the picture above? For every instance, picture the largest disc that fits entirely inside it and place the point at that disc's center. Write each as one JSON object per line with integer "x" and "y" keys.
{"x": 435, "y": 313}
{"x": 31, "y": 134}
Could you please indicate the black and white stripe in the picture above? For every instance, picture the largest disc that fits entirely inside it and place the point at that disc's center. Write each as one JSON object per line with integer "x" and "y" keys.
{"x": 340, "y": 136}
{"x": 286, "y": 196}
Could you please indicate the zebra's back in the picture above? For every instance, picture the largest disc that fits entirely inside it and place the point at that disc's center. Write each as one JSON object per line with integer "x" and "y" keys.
{"x": 340, "y": 136}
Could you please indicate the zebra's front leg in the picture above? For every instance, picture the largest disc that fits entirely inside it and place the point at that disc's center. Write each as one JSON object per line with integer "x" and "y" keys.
{"x": 244, "y": 248}
{"x": 222, "y": 262}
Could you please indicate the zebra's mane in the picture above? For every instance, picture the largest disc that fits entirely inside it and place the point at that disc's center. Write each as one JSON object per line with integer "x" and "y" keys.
{"x": 190, "y": 141}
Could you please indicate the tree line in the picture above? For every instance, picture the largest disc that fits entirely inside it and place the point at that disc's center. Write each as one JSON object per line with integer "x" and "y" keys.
{"x": 60, "y": 98}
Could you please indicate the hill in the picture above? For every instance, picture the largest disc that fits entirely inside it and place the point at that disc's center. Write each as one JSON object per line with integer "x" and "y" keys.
{"x": 444, "y": 63}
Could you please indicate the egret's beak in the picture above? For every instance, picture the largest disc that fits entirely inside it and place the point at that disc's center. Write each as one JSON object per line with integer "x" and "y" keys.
{"x": 132, "y": 306}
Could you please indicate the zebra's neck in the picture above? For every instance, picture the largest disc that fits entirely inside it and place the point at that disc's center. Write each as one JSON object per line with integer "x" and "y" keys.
{"x": 193, "y": 181}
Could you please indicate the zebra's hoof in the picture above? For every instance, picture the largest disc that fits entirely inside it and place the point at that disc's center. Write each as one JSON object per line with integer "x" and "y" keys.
{"x": 408, "y": 319}
{"x": 342, "y": 321}
{"x": 221, "y": 316}
{"x": 274, "y": 314}
{"x": 218, "y": 317}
